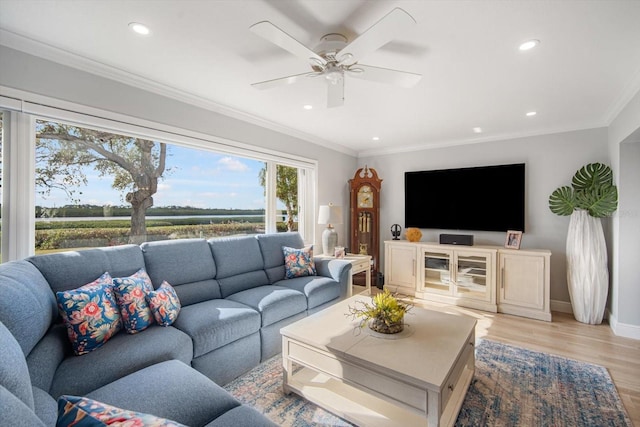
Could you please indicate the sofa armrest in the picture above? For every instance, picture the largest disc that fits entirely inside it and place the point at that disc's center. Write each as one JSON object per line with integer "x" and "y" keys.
{"x": 337, "y": 269}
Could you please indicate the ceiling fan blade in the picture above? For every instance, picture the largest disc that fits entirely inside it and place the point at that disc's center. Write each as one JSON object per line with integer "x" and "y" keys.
{"x": 335, "y": 94}
{"x": 275, "y": 35}
{"x": 268, "y": 84}
{"x": 386, "y": 75}
{"x": 379, "y": 34}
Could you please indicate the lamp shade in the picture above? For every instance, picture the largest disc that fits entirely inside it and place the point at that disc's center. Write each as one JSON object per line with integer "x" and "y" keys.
{"x": 330, "y": 214}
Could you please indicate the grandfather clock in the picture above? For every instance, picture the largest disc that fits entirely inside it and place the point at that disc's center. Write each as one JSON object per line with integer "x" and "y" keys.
{"x": 365, "y": 216}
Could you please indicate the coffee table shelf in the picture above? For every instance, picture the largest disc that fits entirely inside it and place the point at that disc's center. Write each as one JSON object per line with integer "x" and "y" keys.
{"x": 420, "y": 379}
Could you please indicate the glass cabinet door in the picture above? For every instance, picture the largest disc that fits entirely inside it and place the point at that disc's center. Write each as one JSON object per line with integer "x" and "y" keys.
{"x": 437, "y": 272}
{"x": 472, "y": 276}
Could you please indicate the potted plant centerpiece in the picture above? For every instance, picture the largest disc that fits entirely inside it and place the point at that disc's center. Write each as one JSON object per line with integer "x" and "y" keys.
{"x": 592, "y": 196}
{"x": 385, "y": 313}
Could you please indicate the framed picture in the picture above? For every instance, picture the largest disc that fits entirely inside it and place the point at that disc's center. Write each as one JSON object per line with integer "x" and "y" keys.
{"x": 513, "y": 239}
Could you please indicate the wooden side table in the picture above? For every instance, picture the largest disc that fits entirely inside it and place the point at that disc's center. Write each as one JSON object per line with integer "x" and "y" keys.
{"x": 359, "y": 263}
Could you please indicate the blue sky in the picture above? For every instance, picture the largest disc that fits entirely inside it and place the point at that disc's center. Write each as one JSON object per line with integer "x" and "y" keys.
{"x": 197, "y": 178}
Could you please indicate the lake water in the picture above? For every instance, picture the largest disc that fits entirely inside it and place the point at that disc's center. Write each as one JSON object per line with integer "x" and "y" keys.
{"x": 103, "y": 218}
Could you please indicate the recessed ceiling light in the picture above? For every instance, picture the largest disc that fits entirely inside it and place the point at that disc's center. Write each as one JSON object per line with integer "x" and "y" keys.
{"x": 477, "y": 130}
{"x": 376, "y": 138}
{"x": 308, "y": 107}
{"x": 139, "y": 28}
{"x": 529, "y": 44}
{"x": 531, "y": 113}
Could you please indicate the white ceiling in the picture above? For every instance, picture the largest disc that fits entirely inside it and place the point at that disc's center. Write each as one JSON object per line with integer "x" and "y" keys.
{"x": 580, "y": 76}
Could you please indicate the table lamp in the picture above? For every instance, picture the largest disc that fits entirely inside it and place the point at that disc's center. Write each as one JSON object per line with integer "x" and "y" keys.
{"x": 329, "y": 214}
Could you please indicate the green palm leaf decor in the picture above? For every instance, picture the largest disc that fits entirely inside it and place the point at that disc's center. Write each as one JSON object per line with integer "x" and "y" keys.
{"x": 562, "y": 201}
{"x": 591, "y": 189}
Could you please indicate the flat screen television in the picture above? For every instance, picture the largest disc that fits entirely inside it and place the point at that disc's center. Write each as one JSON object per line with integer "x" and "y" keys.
{"x": 488, "y": 198}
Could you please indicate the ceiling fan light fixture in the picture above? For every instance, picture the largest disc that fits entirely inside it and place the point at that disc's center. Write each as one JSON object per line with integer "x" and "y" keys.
{"x": 333, "y": 76}
{"x": 529, "y": 44}
{"x": 139, "y": 28}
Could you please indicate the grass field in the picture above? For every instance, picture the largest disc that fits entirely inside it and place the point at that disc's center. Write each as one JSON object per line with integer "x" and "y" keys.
{"x": 65, "y": 235}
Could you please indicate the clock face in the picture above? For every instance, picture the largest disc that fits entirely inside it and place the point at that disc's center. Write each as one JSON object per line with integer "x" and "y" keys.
{"x": 365, "y": 197}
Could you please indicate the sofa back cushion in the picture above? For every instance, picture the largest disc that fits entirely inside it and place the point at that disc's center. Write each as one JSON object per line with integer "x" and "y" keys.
{"x": 72, "y": 269}
{"x": 27, "y": 304}
{"x": 14, "y": 374}
{"x": 186, "y": 264}
{"x": 240, "y": 265}
{"x": 271, "y": 246}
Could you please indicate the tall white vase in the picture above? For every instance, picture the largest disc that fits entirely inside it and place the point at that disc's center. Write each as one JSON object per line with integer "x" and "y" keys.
{"x": 587, "y": 271}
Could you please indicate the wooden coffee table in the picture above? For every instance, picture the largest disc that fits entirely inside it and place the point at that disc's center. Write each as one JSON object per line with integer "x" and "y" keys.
{"x": 418, "y": 377}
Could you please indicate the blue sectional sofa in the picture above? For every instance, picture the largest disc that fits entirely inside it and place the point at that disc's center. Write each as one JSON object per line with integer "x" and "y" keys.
{"x": 234, "y": 299}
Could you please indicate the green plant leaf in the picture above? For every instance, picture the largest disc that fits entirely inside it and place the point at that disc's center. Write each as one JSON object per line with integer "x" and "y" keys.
{"x": 599, "y": 202}
{"x": 562, "y": 201}
{"x": 593, "y": 175}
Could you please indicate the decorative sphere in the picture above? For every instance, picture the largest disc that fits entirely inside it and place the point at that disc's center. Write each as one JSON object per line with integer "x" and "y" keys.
{"x": 413, "y": 234}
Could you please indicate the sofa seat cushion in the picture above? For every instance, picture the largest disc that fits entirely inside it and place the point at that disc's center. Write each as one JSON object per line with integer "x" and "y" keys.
{"x": 169, "y": 390}
{"x": 273, "y": 302}
{"x": 318, "y": 289}
{"x": 122, "y": 355}
{"x": 215, "y": 323}
{"x": 242, "y": 416}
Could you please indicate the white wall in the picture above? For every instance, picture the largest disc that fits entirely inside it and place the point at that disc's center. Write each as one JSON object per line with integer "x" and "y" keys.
{"x": 624, "y": 148}
{"x": 628, "y": 283}
{"x": 551, "y": 161}
{"x": 26, "y": 72}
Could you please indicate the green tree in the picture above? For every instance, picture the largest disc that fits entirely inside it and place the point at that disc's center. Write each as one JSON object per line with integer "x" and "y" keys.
{"x": 286, "y": 189}
{"x": 64, "y": 152}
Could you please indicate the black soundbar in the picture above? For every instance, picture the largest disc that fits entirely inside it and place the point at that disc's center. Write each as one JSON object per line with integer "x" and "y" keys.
{"x": 456, "y": 239}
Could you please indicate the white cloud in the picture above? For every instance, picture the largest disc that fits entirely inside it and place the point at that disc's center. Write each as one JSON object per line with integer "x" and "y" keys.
{"x": 232, "y": 164}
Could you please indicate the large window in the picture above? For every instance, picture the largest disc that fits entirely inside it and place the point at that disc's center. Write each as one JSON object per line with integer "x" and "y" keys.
{"x": 97, "y": 188}
{"x": 91, "y": 186}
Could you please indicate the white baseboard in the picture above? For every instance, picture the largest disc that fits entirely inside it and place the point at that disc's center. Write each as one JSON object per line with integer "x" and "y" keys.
{"x": 623, "y": 329}
{"x": 561, "y": 306}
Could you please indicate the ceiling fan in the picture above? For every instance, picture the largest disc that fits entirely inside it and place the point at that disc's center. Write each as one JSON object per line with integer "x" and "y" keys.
{"x": 334, "y": 58}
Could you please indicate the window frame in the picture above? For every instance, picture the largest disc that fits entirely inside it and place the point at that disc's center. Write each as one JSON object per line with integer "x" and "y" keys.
{"x": 18, "y": 204}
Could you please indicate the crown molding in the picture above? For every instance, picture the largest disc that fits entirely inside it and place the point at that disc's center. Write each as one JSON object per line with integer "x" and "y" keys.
{"x": 54, "y": 54}
{"x": 631, "y": 89}
{"x": 468, "y": 141}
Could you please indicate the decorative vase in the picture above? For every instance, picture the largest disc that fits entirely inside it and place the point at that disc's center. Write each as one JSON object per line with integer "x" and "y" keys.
{"x": 413, "y": 234}
{"x": 379, "y": 325}
{"x": 587, "y": 272}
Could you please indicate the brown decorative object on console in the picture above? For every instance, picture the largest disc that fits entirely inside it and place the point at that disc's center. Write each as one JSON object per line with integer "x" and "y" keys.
{"x": 413, "y": 234}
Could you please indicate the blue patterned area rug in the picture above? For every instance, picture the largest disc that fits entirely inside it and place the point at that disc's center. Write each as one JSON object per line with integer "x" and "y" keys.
{"x": 512, "y": 386}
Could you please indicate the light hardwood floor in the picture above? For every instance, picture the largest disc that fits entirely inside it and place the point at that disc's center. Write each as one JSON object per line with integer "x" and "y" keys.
{"x": 566, "y": 337}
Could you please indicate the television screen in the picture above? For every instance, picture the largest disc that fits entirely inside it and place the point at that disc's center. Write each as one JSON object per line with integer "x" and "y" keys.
{"x": 488, "y": 198}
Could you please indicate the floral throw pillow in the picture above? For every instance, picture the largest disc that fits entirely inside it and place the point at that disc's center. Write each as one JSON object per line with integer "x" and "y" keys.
{"x": 83, "y": 412}
{"x": 90, "y": 314}
{"x": 164, "y": 304}
{"x": 298, "y": 262}
{"x": 131, "y": 294}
